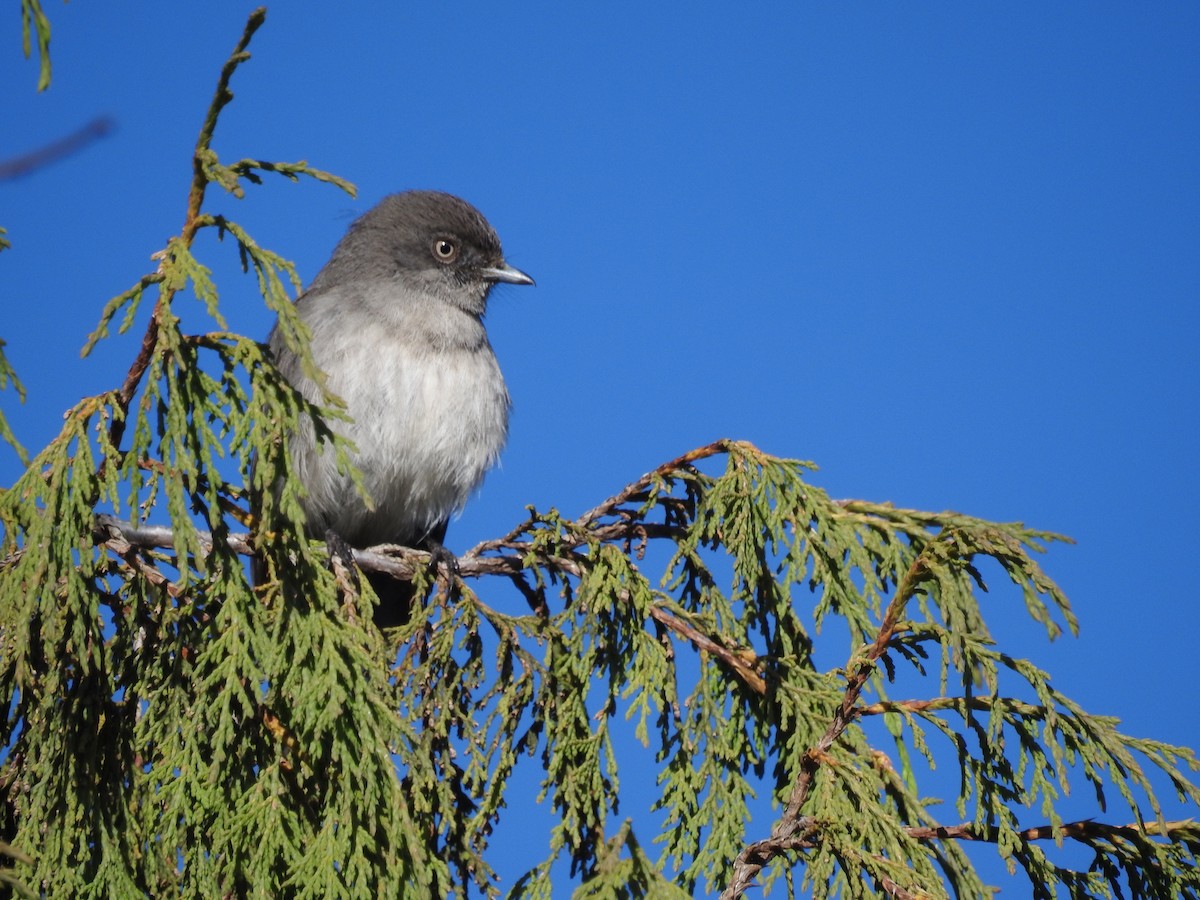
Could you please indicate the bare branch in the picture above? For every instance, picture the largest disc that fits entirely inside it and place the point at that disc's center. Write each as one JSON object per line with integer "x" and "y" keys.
{"x": 1082, "y": 830}
{"x": 983, "y": 704}
{"x": 20, "y": 166}
{"x": 741, "y": 663}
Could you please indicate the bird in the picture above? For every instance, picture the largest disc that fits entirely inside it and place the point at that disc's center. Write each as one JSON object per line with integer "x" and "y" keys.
{"x": 396, "y": 319}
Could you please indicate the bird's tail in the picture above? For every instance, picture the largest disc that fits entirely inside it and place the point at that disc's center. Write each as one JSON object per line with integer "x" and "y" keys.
{"x": 396, "y": 599}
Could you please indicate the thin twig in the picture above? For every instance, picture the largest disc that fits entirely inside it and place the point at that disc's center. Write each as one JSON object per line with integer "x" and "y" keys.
{"x": 666, "y": 469}
{"x": 1081, "y": 830}
{"x": 223, "y": 95}
{"x": 983, "y": 704}
{"x": 26, "y": 163}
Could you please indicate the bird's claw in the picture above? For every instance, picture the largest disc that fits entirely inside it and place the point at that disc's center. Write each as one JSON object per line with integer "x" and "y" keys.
{"x": 338, "y": 546}
{"x": 440, "y": 558}
{"x": 341, "y": 560}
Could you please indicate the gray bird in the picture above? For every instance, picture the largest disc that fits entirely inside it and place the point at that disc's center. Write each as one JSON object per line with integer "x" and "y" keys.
{"x": 396, "y": 317}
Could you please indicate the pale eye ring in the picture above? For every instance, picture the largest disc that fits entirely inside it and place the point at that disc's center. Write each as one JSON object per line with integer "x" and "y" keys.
{"x": 445, "y": 249}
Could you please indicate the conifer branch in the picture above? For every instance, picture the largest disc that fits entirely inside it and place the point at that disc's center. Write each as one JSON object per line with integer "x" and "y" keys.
{"x": 221, "y": 97}
{"x": 741, "y": 664}
{"x": 609, "y": 506}
{"x": 793, "y": 826}
{"x": 403, "y": 562}
{"x": 7, "y": 377}
{"x": 185, "y": 734}
{"x": 195, "y": 201}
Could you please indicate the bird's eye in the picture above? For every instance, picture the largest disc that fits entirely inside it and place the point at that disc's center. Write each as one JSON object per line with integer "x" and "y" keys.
{"x": 445, "y": 249}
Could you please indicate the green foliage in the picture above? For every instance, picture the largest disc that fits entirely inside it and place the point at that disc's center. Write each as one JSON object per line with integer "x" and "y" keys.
{"x": 173, "y": 729}
{"x": 8, "y": 376}
{"x": 35, "y": 25}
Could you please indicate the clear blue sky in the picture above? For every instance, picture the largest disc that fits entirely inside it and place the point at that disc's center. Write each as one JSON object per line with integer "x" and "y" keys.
{"x": 949, "y": 252}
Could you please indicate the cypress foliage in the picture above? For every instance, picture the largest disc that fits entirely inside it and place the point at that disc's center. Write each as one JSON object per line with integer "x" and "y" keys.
{"x": 173, "y": 730}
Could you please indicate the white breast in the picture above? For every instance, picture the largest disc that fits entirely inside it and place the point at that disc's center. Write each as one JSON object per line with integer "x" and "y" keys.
{"x": 428, "y": 424}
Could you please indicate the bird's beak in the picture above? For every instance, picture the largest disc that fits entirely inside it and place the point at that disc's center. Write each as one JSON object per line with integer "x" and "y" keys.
{"x": 506, "y": 273}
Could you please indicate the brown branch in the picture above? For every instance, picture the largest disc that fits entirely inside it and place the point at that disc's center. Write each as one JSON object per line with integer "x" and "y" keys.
{"x": 622, "y": 529}
{"x": 221, "y": 97}
{"x": 1085, "y": 831}
{"x": 1082, "y": 830}
{"x": 741, "y": 665}
{"x": 534, "y": 598}
{"x": 666, "y": 469}
{"x": 894, "y": 890}
{"x": 397, "y": 561}
{"x": 403, "y": 562}
{"x": 119, "y": 536}
{"x": 792, "y": 825}
{"x": 150, "y": 573}
{"x": 983, "y": 704}
{"x": 22, "y": 165}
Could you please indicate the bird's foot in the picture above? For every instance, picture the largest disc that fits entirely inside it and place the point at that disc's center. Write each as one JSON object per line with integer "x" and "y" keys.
{"x": 340, "y": 552}
{"x": 441, "y": 559}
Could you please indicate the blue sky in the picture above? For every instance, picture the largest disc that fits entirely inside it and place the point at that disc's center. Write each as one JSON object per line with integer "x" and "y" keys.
{"x": 948, "y": 252}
